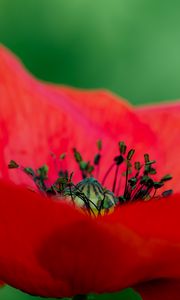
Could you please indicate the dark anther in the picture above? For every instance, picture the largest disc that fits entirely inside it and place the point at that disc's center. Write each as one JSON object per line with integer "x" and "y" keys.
{"x": 130, "y": 154}
{"x": 29, "y": 171}
{"x": 43, "y": 172}
{"x": 99, "y": 145}
{"x": 137, "y": 165}
{"x": 122, "y": 147}
{"x": 77, "y": 155}
{"x": 166, "y": 178}
{"x": 118, "y": 159}
{"x": 158, "y": 185}
{"x": 122, "y": 199}
{"x": 13, "y": 165}
{"x": 97, "y": 159}
{"x": 132, "y": 181}
{"x": 146, "y": 158}
{"x": 138, "y": 183}
{"x": 167, "y": 193}
{"x": 62, "y": 156}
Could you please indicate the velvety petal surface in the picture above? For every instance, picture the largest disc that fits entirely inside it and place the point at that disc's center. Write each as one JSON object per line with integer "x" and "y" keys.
{"x": 37, "y": 118}
{"x": 48, "y": 248}
{"x": 162, "y": 289}
{"x": 165, "y": 122}
{"x": 158, "y": 223}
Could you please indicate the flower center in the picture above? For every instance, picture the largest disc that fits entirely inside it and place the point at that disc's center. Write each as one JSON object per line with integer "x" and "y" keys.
{"x": 132, "y": 181}
{"x": 91, "y": 196}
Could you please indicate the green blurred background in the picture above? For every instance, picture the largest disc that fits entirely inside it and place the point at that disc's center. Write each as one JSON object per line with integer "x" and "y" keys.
{"x": 131, "y": 47}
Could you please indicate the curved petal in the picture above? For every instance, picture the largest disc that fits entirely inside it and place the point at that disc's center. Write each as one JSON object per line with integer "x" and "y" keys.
{"x": 157, "y": 223}
{"x": 117, "y": 119}
{"x": 37, "y": 118}
{"x": 162, "y": 289}
{"x": 165, "y": 122}
{"x": 32, "y": 219}
{"x": 33, "y": 121}
{"x": 51, "y": 249}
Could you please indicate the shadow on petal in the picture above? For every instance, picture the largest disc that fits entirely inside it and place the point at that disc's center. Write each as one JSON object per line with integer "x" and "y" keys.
{"x": 161, "y": 289}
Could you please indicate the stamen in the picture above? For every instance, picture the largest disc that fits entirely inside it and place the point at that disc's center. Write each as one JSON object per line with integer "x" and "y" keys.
{"x": 107, "y": 173}
{"x": 91, "y": 195}
{"x": 97, "y": 158}
{"x": 128, "y": 168}
{"x": 85, "y": 167}
{"x": 122, "y": 147}
{"x": 118, "y": 159}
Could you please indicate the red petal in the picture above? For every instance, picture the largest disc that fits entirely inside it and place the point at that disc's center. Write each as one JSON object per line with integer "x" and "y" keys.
{"x": 34, "y": 121}
{"x": 165, "y": 121}
{"x": 117, "y": 119}
{"x": 36, "y": 118}
{"x": 51, "y": 249}
{"x": 157, "y": 223}
{"x": 27, "y": 220}
{"x": 162, "y": 289}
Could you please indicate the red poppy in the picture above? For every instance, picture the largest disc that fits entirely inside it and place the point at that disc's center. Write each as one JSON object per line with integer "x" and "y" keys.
{"x": 51, "y": 249}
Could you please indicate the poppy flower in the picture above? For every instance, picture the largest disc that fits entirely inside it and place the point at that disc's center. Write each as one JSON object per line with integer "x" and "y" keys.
{"x": 52, "y": 249}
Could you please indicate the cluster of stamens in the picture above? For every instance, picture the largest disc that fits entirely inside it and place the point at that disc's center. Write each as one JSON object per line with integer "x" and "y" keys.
{"x": 92, "y": 196}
